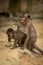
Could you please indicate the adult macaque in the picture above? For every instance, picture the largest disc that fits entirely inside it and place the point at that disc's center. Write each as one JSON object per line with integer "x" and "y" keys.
{"x": 26, "y": 27}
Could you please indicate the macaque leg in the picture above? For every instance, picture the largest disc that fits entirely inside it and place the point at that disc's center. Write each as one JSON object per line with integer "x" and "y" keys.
{"x": 41, "y": 51}
{"x": 31, "y": 44}
{"x": 9, "y": 43}
{"x": 14, "y": 45}
{"x": 9, "y": 40}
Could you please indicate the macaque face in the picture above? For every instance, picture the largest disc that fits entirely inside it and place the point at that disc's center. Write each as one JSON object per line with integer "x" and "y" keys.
{"x": 23, "y": 20}
{"x": 11, "y": 34}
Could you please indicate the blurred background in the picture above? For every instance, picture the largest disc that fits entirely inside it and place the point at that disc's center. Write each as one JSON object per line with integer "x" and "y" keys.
{"x": 33, "y": 7}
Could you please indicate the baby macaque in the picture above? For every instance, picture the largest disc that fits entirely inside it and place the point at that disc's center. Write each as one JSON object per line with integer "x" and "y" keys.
{"x": 16, "y": 35}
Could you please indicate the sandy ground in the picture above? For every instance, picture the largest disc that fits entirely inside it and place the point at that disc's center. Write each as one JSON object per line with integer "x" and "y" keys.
{"x": 17, "y": 56}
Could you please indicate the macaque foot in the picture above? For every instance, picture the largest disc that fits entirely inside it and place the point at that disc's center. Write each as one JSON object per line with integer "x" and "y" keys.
{"x": 13, "y": 47}
{"x": 23, "y": 47}
{"x": 8, "y": 45}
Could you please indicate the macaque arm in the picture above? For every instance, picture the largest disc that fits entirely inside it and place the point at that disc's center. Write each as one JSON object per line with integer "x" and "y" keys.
{"x": 26, "y": 41}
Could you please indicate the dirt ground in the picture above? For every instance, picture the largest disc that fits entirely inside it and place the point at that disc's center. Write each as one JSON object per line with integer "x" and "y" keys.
{"x": 17, "y": 56}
